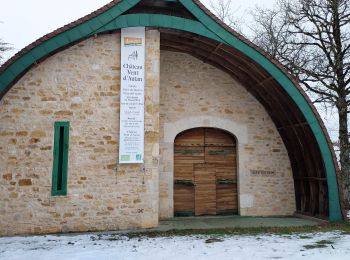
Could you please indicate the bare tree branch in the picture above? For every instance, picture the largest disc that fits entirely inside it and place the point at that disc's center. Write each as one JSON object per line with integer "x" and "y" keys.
{"x": 4, "y": 47}
{"x": 223, "y": 9}
{"x": 312, "y": 39}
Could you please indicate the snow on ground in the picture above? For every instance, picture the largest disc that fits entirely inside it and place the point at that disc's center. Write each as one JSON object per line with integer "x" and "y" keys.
{"x": 331, "y": 245}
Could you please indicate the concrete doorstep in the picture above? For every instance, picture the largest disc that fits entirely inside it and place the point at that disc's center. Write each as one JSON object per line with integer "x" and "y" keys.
{"x": 222, "y": 222}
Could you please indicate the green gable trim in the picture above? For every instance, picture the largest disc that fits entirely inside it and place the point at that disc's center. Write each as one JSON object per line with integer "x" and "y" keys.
{"x": 82, "y": 32}
{"x": 113, "y": 19}
{"x": 60, "y": 159}
{"x": 159, "y": 20}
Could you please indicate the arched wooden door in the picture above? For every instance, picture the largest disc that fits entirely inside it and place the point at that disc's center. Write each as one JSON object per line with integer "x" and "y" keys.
{"x": 205, "y": 173}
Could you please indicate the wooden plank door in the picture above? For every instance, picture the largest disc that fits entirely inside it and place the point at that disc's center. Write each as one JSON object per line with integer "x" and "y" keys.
{"x": 189, "y": 150}
{"x": 205, "y": 189}
{"x": 220, "y": 150}
{"x": 205, "y": 173}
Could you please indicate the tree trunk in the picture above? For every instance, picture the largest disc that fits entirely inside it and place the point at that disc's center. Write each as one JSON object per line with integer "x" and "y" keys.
{"x": 344, "y": 147}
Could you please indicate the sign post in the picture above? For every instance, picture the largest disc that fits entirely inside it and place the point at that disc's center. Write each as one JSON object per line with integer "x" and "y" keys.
{"x": 132, "y": 96}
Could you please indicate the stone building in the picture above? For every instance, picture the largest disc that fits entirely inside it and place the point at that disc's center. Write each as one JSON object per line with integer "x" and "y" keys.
{"x": 226, "y": 129}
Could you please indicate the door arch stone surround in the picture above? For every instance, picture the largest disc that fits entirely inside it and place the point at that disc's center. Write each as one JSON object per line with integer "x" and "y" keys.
{"x": 172, "y": 129}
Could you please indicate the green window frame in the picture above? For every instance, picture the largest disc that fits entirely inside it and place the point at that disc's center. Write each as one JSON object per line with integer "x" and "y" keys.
{"x": 60, "y": 159}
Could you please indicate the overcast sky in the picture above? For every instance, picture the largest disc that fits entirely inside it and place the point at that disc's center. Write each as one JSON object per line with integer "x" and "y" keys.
{"x": 24, "y": 21}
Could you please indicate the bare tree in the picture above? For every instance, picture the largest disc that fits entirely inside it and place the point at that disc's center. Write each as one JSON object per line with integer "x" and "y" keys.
{"x": 4, "y": 47}
{"x": 269, "y": 30}
{"x": 312, "y": 39}
{"x": 223, "y": 9}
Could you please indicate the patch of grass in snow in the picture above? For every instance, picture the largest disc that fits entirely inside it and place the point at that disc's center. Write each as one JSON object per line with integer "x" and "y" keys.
{"x": 213, "y": 240}
{"x": 343, "y": 227}
{"x": 324, "y": 242}
{"x": 305, "y": 237}
{"x": 319, "y": 244}
{"x": 313, "y": 246}
{"x": 107, "y": 237}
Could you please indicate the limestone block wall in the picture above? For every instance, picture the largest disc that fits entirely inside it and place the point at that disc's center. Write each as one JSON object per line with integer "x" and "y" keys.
{"x": 195, "y": 94}
{"x": 81, "y": 85}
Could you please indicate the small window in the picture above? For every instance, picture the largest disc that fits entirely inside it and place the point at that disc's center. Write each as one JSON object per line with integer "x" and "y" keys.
{"x": 60, "y": 159}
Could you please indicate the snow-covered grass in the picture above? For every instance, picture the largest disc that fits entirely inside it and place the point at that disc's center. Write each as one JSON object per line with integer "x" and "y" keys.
{"x": 328, "y": 245}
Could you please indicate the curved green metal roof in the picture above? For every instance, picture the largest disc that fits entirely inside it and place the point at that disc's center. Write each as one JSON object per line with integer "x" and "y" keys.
{"x": 114, "y": 18}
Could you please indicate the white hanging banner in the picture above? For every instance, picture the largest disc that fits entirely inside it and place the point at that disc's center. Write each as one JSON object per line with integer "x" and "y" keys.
{"x": 132, "y": 96}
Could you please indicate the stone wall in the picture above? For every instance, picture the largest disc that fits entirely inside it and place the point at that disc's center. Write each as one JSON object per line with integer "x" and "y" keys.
{"x": 81, "y": 85}
{"x": 195, "y": 94}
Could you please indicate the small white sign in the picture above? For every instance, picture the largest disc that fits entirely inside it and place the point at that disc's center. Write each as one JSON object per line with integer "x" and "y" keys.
{"x": 132, "y": 96}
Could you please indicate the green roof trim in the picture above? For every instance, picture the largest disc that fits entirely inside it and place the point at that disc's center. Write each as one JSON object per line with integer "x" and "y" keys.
{"x": 206, "y": 26}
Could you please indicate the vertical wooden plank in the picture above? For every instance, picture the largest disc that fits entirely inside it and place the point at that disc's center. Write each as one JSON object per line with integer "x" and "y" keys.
{"x": 183, "y": 200}
{"x": 323, "y": 198}
{"x": 205, "y": 189}
{"x": 220, "y": 150}
{"x": 217, "y": 137}
{"x": 221, "y": 155}
{"x": 314, "y": 192}
{"x": 189, "y": 149}
{"x": 226, "y": 199}
{"x": 192, "y": 137}
{"x": 305, "y": 196}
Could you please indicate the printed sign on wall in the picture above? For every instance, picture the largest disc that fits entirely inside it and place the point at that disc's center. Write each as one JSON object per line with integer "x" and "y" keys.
{"x": 131, "y": 140}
